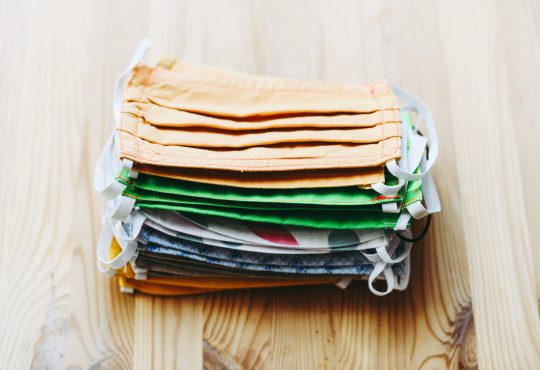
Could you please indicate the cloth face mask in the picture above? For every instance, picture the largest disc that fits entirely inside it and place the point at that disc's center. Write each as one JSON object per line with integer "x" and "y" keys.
{"x": 270, "y": 180}
{"x": 257, "y": 159}
{"x": 261, "y": 234}
{"x": 175, "y": 287}
{"x": 214, "y": 92}
{"x": 342, "y": 263}
{"x": 369, "y": 216}
{"x": 352, "y": 219}
{"x": 178, "y": 287}
{"x": 219, "y": 139}
{"x": 337, "y": 197}
{"x": 174, "y": 266}
{"x": 231, "y": 95}
{"x": 348, "y": 263}
{"x": 372, "y": 244}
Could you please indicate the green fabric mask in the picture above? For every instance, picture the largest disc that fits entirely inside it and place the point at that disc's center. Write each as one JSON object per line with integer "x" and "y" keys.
{"x": 352, "y": 219}
{"x": 340, "y": 207}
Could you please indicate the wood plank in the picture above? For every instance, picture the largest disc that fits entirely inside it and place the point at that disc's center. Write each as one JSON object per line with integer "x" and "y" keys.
{"x": 495, "y": 234}
{"x": 475, "y": 65}
{"x": 168, "y": 333}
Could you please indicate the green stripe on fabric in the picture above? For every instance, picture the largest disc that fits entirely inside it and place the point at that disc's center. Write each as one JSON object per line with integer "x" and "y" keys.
{"x": 352, "y": 219}
{"x": 152, "y": 196}
{"x": 351, "y": 195}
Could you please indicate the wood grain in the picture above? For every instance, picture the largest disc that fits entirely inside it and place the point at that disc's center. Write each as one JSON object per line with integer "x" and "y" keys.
{"x": 473, "y": 297}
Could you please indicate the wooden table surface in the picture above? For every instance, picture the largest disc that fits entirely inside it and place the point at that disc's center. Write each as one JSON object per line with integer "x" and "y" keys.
{"x": 473, "y": 296}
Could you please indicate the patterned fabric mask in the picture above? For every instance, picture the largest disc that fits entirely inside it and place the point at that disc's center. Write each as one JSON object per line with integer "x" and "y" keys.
{"x": 258, "y": 234}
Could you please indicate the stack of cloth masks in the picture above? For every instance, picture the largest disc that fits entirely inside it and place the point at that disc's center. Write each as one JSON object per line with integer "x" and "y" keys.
{"x": 217, "y": 180}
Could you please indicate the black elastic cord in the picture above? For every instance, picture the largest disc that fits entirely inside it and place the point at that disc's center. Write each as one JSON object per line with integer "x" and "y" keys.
{"x": 419, "y": 237}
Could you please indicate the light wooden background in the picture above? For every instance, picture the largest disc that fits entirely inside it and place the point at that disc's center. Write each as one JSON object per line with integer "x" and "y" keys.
{"x": 473, "y": 297}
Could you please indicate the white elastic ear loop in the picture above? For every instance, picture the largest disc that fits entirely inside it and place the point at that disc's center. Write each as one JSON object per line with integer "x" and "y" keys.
{"x": 382, "y": 242}
{"x": 385, "y": 253}
{"x": 127, "y": 242}
{"x": 107, "y": 271}
{"x": 127, "y": 164}
{"x": 412, "y": 158}
{"x": 403, "y": 281}
{"x": 433, "y": 140}
{"x": 393, "y": 282}
{"x": 384, "y": 189}
{"x": 371, "y": 257}
{"x": 122, "y": 237}
{"x": 431, "y": 200}
{"x": 403, "y": 221}
{"x": 105, "y": 182}
{"x": 417, "y": 210}
{"x": 378, "y": 269}
{"x": 391, "y": 207}
{"x": 138, "y": 55}
{"x": 104, "y": 243}
{"x": 120, "y": 208}
{"x": 415, "y": 154}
